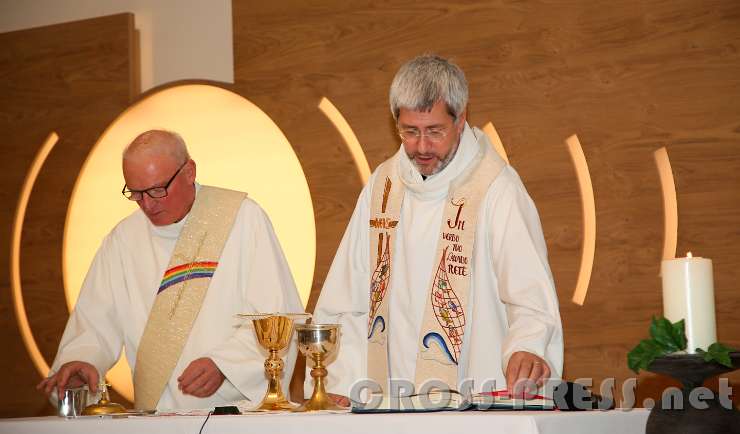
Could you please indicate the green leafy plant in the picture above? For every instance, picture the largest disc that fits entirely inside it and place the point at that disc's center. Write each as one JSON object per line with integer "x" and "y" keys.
{"x": 666, "y": 338}
{"x": 718, "y": 353}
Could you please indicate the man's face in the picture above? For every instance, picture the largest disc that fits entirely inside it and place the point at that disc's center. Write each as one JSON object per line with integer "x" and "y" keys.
{"x": 430, "y": 156}
{"x": 142, "y": 173}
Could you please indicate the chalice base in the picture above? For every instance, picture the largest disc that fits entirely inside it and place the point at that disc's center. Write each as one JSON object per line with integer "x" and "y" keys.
{"x": 283, "y": 405}
{"x": 318, "y": 404}
{"x": 320, "y": 400}
{"x": 275, "y": 400}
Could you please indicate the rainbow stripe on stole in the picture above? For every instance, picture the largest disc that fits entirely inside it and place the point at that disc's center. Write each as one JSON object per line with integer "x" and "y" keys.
{"x": 192, "y": 270}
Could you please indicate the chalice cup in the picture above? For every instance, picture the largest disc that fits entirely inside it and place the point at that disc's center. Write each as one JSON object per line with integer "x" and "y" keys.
{"x": 273, "y": 334}
{"x": 318, "y": 342}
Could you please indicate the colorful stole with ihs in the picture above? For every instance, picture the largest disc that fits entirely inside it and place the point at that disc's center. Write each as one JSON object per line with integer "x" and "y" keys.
{"x": 182, "y": 290}
{"x": 443, "y": 326}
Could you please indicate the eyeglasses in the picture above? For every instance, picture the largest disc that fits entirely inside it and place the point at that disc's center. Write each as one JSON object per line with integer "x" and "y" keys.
{"x": 411, "y": 135}
{"x": 154, "y": 192}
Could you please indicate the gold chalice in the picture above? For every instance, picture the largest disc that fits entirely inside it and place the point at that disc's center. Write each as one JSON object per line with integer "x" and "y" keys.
{"x": 273, "y": 334}
{"x": 318, "y": 342}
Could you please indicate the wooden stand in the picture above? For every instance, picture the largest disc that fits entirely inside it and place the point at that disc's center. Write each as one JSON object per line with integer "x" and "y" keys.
{"x": 691, "y": 370}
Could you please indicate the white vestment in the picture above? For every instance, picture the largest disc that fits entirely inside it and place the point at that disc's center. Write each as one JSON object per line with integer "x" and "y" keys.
{"x": 512, "y": 303}
{"x": 120, "y": 287}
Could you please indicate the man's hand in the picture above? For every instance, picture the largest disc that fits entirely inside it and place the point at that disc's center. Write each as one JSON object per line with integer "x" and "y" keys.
{"x": 201, "y": 378}
{"x": 70, "y": 375}
{"x": 525, "y": 373}
{"x": 339, "y": 400}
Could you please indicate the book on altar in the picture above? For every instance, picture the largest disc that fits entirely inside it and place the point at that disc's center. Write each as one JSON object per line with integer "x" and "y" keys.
{"x": 445, "y": 400}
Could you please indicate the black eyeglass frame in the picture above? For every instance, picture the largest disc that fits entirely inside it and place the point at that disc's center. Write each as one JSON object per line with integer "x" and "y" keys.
{"x": 131, "y": 194}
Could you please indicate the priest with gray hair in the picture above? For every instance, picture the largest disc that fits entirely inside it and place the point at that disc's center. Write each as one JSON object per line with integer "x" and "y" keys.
{"x": 442, "y": 273}
{"x": 166, "y": 284}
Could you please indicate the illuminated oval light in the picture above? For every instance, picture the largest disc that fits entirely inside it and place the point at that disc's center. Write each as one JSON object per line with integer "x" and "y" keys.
{"x": 235, "y": 145}
{"x": 493, "y": 136}
{"x": 589, "y": 219}
{"x": 348, "y": 135}
{"x": 15, "y": 254}
{"x": 670, "y": 204}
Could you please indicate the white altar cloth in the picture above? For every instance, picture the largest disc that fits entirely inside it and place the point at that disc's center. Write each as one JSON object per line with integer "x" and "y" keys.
{"x": 490, "y": 422}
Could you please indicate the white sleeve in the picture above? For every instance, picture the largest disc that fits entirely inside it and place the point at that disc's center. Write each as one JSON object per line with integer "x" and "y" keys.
{"x": 93, "y": 333}
{"x": 268, "y": 287}
{"x": 345, "y": 299}
{"x": 526, "y": 286}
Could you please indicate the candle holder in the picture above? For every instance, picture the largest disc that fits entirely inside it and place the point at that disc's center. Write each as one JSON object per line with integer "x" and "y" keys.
{"x": 104, "y": 405}
{"x": 691, "y": 370}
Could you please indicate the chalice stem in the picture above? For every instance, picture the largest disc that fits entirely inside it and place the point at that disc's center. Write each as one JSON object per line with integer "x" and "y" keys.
{"x": 274, "y": 398}
{"x": 318, "y": 372}
{"x": 274, "y": 368}
{"x": 319, "y": 398}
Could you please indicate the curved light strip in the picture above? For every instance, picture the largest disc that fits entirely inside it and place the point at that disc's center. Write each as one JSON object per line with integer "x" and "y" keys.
{"x": 498, "y": 145}
{"x": 15, "y": 254}
{"x": 670, "y": 204}
{"x": 589, "y": 219}
{"x": 358, "y": 155}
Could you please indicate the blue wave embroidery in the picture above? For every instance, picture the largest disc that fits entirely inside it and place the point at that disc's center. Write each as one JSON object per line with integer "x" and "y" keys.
{"x": 436, "y": 337}
{"x": 378, "y": 320}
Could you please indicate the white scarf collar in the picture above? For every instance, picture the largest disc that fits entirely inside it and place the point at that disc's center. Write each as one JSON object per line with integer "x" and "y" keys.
{"x": 438, "y": 185}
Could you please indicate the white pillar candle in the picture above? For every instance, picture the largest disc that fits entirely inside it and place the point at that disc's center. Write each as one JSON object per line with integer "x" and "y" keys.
{"x": 688, "y": 294}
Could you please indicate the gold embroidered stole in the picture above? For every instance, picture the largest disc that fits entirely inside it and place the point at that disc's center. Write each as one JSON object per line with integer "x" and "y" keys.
{"x": 182, "y": 290}
{"x": 442, "y": 329}
{"x": 384, "y": 213}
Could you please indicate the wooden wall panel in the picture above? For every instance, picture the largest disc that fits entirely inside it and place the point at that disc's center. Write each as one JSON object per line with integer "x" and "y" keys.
{"x": 73, "y": 79}
{"x": 627, "y": 77}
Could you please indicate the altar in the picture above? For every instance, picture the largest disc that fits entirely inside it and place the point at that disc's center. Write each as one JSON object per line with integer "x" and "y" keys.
{"x": 491, "y": 422}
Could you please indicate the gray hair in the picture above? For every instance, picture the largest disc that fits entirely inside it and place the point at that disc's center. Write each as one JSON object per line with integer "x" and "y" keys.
{"x": 158, "y": 142}
{"x": 426, "y": 79}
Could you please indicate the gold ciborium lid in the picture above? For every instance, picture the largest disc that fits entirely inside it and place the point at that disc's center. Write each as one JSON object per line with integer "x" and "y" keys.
{"x": 104, "y": 406}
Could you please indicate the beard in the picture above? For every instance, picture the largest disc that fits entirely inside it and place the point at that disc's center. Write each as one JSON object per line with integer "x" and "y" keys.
{"x": 441, "y": 163}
